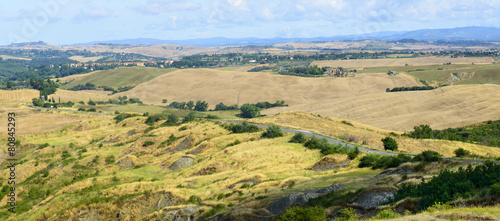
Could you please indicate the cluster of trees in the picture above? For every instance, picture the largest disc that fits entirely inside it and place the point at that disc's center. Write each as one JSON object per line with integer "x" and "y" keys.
{"x": 244, "y": 127}
{"x": 486, "y": 134}
{"x": 190, "y": 105}
{"x": 90, "y": 86}
{"x": 46, "y": 87}
{"x": 414, "y": 88}
{"x": 304, "y": 71}
{"x": 376, "y": 161}
{"x": 37, "y": 102}
{"x": 482, "y": 180}
{"x": 120, "y": 101}
{"x": 324, "y": 146}
{"x": 260, "y": 68}
{"x": 261, "y": 105}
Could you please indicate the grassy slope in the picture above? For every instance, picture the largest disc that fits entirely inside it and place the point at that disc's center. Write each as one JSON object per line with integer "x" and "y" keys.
{"x": 274, "y": 162}
{"x": 370, "y": 136}
{"x": 119, "y": 77}
{"x": 483, "y": 74}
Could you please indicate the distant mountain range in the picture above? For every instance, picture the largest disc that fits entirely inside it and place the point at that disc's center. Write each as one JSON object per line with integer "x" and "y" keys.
{"x": 451, "y": 34}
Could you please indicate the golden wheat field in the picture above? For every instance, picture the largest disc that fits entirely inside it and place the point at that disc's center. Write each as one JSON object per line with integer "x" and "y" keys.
{"x": 19, "y": 95}
{"x": 75, "y": 96}
{"x": 361, "y": 98}
{"x": 361, "y": 63}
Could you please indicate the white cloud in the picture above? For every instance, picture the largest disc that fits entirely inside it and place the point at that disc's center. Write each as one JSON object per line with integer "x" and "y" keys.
{"x": 155, "y": 7}
{"x": 92, "y": 14}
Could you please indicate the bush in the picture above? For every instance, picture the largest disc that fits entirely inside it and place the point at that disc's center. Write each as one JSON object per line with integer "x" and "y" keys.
{"x": 382, "y": 161}
{"x": 110, "y": 159}
{"x": 249, "y": 111}
{"x": 460, "y": 152}
{"x": 390, "y": 144}
{"x": 148, "y": 143}
{"x": 91, "y": 110}
{"x": 354, "y": 153}
{"x": 348, "y": 214}
{"x": 298, "y": 138}
{"x": 172, "y": 118}
{"x": 191, "y": 116}
{"x": 428, "y": 156}
{"x": 244, "y": 127}
{"x": 387, "y": 214}
{"x": 155, "y": 118}
{"x": 301, "y": 214}
{"x": 272, "y": 131}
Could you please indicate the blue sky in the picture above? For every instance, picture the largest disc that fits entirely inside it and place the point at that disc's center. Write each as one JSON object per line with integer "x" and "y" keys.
{"x": 66, "y": 22}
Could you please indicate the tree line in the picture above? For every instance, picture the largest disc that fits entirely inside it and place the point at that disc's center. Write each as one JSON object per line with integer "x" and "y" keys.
{"x": 487, "y": 133}
{"x": 414, "y": 88}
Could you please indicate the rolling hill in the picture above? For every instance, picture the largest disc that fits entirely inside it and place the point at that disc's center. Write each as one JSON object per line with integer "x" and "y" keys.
{"x": 116, "y": 78}
{"x": 362, "y": 98}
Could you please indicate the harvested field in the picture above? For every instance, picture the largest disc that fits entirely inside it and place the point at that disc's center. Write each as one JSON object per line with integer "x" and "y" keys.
{"x": 19, "y": 95}
{"x": 75, "y": 96}
{"x": 362, "y": 98}
{"x": 361, "y": 63}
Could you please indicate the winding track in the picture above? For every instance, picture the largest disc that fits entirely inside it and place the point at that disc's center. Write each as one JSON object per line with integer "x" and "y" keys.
{"x": 307, "y": 133}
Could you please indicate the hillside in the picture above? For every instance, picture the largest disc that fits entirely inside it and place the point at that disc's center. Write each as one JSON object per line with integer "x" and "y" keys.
{"x": 358, "y": 98}
{"x": 117, "y": 77}
{"x": 19, "y": 95}
{"x": 363, "y": 63}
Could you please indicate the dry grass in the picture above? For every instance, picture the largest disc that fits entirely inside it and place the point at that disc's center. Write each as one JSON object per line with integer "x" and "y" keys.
{"x": 19, "y": 95}
{"x": 362, "y": 98}
{"x": 76, "y": 96}
{"x": 369, "y": 135}
{"x": 362, "y": 63}
{"x": 468, "y": 213}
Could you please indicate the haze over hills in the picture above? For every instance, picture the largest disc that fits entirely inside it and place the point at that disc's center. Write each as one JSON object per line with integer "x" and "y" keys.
{"x": 462, "y": 33}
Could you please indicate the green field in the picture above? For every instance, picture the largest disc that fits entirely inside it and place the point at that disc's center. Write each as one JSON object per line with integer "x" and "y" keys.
{"x": 483, "y": 74}
{"x": 120, "y": 77}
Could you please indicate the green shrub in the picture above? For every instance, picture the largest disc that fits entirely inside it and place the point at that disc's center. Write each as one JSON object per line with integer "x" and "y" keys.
{"x": 298, "y": 138}
{"x": 348, "y": 214}
{"x": 390, "y": 144}
{"x": 249, "y": 111}
{"x": 191, "y": 116}
{"x": 244, "y": 127}
{"x": 428, "y": 156}
{"x": 460, "y": 152}
{"x": 148, "y": 143}
{"x": 387, "y": 214}
{"x": 303, "y": 214}
{"x": 110, "y": 159}
{"x": 272, "y": 131}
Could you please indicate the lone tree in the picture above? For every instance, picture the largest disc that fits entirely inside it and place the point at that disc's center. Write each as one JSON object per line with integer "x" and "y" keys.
{"x": 249, "y": 111}
{"x": 272, "y": 131}
{"x": 390, "y": 144}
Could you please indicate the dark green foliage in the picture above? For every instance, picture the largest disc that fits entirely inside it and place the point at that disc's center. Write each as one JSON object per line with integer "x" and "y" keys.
{"x": 260, "y": 68}
{"x": 191, "y": 116}
{"x": 298, "y": 138}
{"x": 65, "y": 154}
{"x": 249, "y": 111}
{"x": 487, "y": 133}
{"x": 303, "y": 214}
{"x": 460, "y": 152}
{"x": 214, "y": 210}
{"x": 201, "y": 106}
{"x": 37, "y": 102}
{"x": 272, "y": 131}
{"x": 244, "y": 127}
{"x": 41, "y": 146}
{"x": 390, "y": 144}
{"x": 155, "y": 118}
{"x": 414, "y": 88}
{"x": 334, "y": 198}
{"x": 164, "y": 101}
{"x": 193, "y": 199}
{"x": 376, "y": 161}
{"x": 148, "y": 143}
{"x": 449, "y": 185}
{"x": 304, "y": 71}
{"x": 110, "y": 159}
{"x": 428, "y": 156}
{"x": 325, "y": 147}
{"x": 346, "y": 123}
{"x": 123, "y": 116}
{"x": 222, "y": 107}
{"x": 354, "y": 153}
{"x": 91, "y": 110}
{"x": 87, "y": 86}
